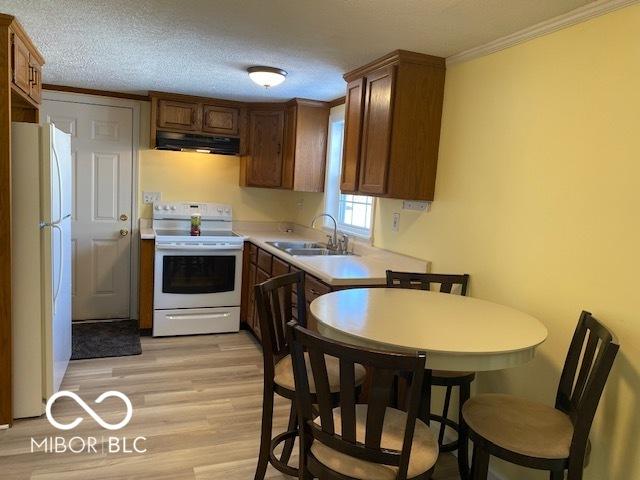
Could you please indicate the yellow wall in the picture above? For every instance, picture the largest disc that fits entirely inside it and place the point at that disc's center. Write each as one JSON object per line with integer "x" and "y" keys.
{"x": 537, "y": 197}
{"x": 209, "y": 178}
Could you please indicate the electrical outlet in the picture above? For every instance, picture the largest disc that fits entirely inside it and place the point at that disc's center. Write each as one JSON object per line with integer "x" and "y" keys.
{"x": 151, "y": 197}
{"x": 416, "y": 205}
{"x": 395, "y": 226}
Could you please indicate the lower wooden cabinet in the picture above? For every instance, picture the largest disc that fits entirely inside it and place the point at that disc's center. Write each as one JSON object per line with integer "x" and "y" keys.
{"x": 260, "y": 265}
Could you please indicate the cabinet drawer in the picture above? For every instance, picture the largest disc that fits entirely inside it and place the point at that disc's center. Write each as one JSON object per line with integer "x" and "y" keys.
{"x": 221, "y": 120}
{"x": 264, "y": 261}
{"x": 279, "y": 267}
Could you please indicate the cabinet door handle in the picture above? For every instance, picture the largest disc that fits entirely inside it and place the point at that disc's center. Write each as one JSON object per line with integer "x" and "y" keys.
{"x": 31, "y": 75}
{"x": 279, "y": 148}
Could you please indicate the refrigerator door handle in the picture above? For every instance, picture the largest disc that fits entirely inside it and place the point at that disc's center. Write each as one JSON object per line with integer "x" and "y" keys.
{"x": 57, "y": 289}
{"x": 59, "y": 177}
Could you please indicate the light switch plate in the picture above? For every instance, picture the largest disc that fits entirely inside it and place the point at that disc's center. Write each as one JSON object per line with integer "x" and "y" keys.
{"x": 416, "y": 205}
{"x": 151, "y": 197}
{"x": 395, "y": 226}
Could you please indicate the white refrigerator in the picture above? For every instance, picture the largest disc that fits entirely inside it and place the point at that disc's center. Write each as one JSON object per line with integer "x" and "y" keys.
{"x": 41, "y": 263}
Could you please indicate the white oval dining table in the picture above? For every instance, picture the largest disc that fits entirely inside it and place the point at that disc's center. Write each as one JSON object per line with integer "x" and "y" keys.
{"x": 457, "y": 333}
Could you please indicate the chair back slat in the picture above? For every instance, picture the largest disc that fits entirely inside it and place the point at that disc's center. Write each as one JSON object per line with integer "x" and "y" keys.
{"x": 347, "y": 401}
{"x": 384, "y": 366}
{"x": 275, "y": 310}
{"x": 587, "y": 366}
{"x": 379, "y": 398}
{"x": 423, "y": 281}
{"x": 588, "y": 358}
{"x": 323, "y": 392}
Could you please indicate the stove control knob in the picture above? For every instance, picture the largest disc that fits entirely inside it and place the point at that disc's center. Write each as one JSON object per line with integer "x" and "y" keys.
{"x": 166, "y": 207}
{"x": 227, "y": 211}
{"x": 219, "y": 210}
{"x": 173, "y": 207}
{"x": 157, "y": 207}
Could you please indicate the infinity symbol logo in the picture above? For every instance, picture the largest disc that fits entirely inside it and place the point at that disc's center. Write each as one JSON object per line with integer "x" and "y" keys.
{"x": 89, "y": 410}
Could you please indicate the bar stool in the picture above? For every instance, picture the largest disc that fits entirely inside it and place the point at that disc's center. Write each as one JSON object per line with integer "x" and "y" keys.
{"x": 275, "y": 310}
{"x": 443, "y": 378}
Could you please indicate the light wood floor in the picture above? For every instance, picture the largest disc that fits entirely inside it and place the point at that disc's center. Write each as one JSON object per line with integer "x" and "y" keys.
{"x": 197, "y": 400}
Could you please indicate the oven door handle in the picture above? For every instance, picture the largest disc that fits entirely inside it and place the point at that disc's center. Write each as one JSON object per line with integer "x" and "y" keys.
{"x": 188, "y": 248}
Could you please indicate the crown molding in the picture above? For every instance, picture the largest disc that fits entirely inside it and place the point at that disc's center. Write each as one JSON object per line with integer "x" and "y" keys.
{"x": 579, "y": 15}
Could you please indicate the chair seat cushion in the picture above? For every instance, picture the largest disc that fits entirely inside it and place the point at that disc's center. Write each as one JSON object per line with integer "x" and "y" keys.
{"x": 284, "y": 373}
{"x": 520, "y": 425}
{"x": 424, "y": 451}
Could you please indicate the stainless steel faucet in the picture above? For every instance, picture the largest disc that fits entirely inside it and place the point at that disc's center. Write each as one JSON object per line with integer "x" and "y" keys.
{"x": 333, "y": 240}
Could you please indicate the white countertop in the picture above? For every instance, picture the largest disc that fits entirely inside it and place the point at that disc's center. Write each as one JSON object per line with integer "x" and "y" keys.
{"x": 368, "y": 267}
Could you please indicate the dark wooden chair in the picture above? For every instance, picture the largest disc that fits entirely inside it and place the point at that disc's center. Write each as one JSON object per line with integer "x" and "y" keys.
{"x": 276, "y": 308}
{"x": 538, "y": 436}
{"x": 369, "y": 441}
{"x": 455, "y": 284}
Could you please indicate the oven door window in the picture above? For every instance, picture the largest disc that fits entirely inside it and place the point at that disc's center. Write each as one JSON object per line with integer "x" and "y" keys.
{"x": 194, "y": 274}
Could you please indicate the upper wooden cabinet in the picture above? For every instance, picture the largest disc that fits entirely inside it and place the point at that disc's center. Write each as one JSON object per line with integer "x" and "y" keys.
{"x": 287, "y": 146}
{"x": 282, "y": 145}
{"x": 221, "y": 120}
{"x": 354, "y": 107}
{"x": 200, "y": 115}
{"x": 25, "y": 65}
{"x": 306, "y": 145}
{"x": 266, "y": 137}
{"x": 392, "y": 126}
{"x": 183, "y": 116}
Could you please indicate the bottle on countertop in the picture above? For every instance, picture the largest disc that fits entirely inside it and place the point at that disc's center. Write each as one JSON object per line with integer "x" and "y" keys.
{"x": 195, "y": 224}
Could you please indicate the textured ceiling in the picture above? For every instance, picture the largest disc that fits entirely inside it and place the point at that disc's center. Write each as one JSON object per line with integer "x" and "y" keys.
{"x": 204, "y": 47}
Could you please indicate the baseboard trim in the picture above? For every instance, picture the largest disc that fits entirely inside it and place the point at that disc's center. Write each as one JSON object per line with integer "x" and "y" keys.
{"x": 579, "y": 15}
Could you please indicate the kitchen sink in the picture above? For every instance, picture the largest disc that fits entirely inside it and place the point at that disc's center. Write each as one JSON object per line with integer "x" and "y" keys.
{"x": 306, "y": 249}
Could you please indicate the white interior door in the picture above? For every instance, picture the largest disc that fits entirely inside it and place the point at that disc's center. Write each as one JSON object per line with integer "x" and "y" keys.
{"x": 102, "y": 153}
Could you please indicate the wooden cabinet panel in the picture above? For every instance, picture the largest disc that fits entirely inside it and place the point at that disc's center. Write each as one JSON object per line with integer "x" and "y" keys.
{"x": 354, "y": 109}
{"x": 264, "y": 261}
{"x": 174, "y": 115}
{"x": 264, "y": 164}
{"x": 20, "y": 64}
{"x": 310, "y": 152}
{"x": 145, "y": 291}
{"x": 220, "y": 120}
{"x": 35, "y": 71}
{"x": 376, "y": 131}
{"x": 253, "y": 253}
{"x": 289, "y": 152}
{"x": 279, "y": 267}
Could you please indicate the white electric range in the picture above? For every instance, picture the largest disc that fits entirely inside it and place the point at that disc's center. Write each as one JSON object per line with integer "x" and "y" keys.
{"x": 197, "y": 278}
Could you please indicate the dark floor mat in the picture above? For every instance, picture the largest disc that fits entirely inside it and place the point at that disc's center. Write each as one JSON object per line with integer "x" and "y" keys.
{"x": 105, "y": 339}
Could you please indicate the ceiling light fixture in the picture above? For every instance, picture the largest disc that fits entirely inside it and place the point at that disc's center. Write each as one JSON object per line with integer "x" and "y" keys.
{"x": 267, "y": 76}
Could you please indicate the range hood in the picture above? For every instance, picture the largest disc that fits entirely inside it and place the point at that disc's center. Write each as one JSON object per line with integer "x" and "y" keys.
{"x": 191, "y": 142}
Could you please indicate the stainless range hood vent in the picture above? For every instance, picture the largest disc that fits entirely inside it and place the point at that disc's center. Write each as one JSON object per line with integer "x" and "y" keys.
{"x": 191, "y": 142}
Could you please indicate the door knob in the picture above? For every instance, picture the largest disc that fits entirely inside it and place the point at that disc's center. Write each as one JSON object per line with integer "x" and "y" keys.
{"x": 124, "y": 217}
{"x": 124, "y": 232}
